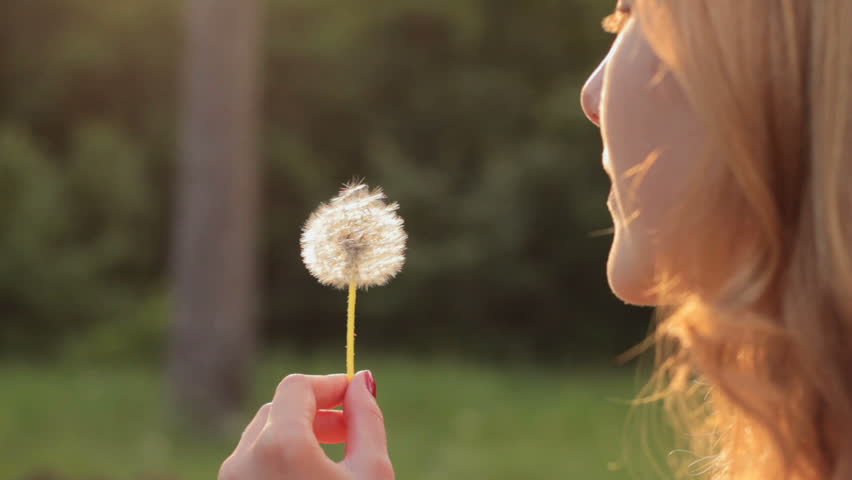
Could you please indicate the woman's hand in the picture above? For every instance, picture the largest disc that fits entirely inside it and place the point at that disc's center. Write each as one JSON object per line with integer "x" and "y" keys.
{"x": 282, "y": 442}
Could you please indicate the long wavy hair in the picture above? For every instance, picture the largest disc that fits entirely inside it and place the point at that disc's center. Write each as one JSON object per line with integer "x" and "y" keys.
{"x": 754, "y": 347}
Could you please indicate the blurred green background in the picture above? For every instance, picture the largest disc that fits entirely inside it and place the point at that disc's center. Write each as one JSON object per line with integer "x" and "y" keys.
{"x": 494, "y": 349}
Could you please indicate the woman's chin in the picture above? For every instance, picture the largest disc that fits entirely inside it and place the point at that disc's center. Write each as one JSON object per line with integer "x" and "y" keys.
{"x": 629, "y": 278}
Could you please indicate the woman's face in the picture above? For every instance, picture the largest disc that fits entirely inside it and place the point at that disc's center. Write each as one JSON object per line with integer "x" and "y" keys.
{"x": 648, "y": 134}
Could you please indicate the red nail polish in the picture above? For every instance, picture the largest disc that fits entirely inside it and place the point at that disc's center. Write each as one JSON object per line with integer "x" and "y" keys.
{"x": 371, "y": 382}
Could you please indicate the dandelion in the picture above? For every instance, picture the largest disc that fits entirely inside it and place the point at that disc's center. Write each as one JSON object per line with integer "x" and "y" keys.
{"x": 355, "y": 240}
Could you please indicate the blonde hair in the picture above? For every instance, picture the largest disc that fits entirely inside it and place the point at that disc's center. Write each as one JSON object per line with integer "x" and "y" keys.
{"x": 755, "y": 350}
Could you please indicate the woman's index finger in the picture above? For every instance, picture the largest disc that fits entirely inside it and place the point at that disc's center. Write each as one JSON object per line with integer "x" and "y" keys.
{"x": 298, "y": 397}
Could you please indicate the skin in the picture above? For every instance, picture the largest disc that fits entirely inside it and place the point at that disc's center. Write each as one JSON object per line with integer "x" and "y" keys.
{"x": 646, "y": 127}
{"x": 648, "y": 133}
{"x": 283, "y": 440}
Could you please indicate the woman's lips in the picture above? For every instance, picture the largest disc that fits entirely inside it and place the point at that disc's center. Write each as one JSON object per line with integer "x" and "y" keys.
{"x": 607, "y": 165}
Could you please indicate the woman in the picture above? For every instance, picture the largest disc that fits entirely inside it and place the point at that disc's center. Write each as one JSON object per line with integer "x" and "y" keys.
{"x": 727, "y": 129}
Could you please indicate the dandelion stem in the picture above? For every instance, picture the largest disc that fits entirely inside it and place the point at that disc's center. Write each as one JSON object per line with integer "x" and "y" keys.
{"x": 350, "y": 331}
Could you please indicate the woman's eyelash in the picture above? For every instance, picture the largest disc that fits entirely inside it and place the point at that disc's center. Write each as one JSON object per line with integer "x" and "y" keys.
{"x": 614, "y": 22}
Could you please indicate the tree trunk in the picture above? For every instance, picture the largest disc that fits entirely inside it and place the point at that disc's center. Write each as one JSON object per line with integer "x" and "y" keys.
{"x": 214, "y": 266}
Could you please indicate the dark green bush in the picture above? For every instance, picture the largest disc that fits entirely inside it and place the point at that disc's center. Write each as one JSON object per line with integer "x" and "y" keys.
{"x": 466, "y": 111}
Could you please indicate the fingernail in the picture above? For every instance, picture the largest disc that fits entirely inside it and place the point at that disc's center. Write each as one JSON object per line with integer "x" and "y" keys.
{"x": 371, "y": 382}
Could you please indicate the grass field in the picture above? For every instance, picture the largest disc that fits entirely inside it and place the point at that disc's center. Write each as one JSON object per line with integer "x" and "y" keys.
{"x": 446, "y": 420}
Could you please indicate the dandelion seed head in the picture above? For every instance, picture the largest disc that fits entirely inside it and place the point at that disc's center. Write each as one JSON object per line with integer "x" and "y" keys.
{"x": 356, "y": 236}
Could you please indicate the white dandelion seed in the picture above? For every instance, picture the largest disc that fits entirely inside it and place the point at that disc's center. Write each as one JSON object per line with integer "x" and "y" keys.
{"x": 355, "y": 240}
{"x": 355, "y": 237}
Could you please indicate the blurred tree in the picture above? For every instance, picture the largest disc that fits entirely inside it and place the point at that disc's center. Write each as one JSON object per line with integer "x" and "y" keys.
{"x": 213, "y": 331}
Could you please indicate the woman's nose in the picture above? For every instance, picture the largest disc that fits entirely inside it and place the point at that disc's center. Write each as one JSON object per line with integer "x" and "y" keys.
{"x": 590, "y": 97}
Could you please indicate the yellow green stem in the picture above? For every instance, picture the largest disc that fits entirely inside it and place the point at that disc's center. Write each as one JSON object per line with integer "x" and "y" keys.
{"x": 350, "y": 332}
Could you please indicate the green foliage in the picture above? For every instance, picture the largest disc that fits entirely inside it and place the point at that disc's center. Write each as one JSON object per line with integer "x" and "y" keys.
{"x": 69, "y": 236}
{"x": 32, "y": 223}
{"x": 137, "y": 337}
{"x": 465, "y": 111}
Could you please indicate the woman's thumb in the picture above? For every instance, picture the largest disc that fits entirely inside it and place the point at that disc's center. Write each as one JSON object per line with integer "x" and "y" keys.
{"x": 366, "y": 443}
